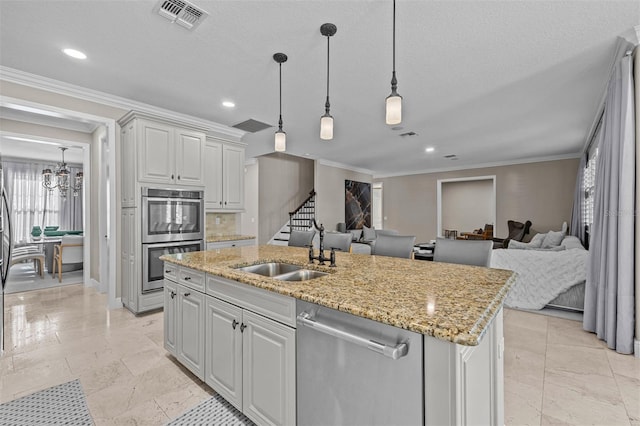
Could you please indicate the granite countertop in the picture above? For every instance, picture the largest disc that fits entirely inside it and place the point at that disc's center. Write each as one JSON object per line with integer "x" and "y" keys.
{"x": 221, "y": 238}
{"x": 446, "y": 301}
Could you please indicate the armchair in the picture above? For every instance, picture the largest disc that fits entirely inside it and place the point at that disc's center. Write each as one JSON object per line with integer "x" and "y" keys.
{"x": 517, "y": 231}
{"x": 70, "y": 250}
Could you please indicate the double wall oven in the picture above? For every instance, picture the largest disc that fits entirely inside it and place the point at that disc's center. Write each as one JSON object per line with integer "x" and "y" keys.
{"x": 172, "y": 222}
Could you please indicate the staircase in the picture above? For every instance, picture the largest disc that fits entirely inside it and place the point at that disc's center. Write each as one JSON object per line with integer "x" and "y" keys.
{"x": 300, "y": 220}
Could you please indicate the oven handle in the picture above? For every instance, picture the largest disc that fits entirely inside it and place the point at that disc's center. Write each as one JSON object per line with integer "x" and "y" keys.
{"x": 393, "y": 352}
{"x": 171, "y": 200}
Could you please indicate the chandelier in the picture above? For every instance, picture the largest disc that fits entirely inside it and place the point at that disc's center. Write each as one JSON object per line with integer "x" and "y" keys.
{"x": 60, "y": 178}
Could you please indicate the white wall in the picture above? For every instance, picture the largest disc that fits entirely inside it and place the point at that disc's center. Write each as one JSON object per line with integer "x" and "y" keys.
{"x": 249, "y": 219}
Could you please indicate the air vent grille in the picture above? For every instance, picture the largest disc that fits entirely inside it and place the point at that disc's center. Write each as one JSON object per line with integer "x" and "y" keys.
{"x": 181, "y": 12}
{"x": 408, "y": 134}
{"x": 252, "y": 126}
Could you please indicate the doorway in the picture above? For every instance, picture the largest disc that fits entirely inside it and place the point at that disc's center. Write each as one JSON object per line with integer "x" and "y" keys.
{"x": 103, "y": 154}
{"x": 466, "y": 204}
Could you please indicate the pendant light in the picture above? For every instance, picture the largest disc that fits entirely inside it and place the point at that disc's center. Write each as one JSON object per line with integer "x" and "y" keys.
{"x": 394, "y": 100}
{"x": 326, "y": 121}
{"x": 281, "y": 136}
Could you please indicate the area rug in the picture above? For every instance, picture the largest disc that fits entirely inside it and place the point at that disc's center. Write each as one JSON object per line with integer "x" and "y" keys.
{"x": 23, "y": 277}
{"x": 214, "y": 411}
{"x": 64, "y": 404}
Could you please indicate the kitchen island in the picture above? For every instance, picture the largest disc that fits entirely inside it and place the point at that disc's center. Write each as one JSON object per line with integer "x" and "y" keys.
{"x": 457, "y": 309}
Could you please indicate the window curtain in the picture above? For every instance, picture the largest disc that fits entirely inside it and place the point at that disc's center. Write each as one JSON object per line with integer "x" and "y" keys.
{"x": 577, "y": 215}
{"x": 610, "y": 285}
{"x": 32, "y": 205}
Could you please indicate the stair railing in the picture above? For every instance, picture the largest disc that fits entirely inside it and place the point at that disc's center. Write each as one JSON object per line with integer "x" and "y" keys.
{"x": 301, "y": 218}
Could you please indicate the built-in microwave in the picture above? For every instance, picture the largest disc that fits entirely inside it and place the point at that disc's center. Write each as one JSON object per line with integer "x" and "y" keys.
{"x": 172, "y": 215}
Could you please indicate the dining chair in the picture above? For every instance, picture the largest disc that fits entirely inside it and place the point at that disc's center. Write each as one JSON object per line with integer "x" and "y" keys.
{"x": 465, "y": 252}
{"x": 70, "y": 250}
{"x": 301, "y": 238}
{"x": 338, "y": 240}
{"x": 394, "y": 246}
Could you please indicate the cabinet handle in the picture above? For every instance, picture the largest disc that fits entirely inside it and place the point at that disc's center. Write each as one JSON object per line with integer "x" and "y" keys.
{"x": 171, "y": 176}
{"x": 234, "y": 324}
{"x": 178, "y": 177}
{"x": 242, "y": 327}
{"x": 220, "y": 202}
{"x": 168, "y": 271}
{"x": 187, "y": 294}
{"x": 225, "y": 203}
{"x": 173, "y": 294}
{"x": 187, "y": 278}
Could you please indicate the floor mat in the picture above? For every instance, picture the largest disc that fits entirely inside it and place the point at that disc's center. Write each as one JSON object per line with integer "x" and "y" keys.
{"x": 64, "y": 404}
{"x": 214, "y": 411}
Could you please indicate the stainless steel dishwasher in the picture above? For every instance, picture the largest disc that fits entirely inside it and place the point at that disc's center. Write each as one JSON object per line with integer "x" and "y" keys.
{"x": 354, "y": 371}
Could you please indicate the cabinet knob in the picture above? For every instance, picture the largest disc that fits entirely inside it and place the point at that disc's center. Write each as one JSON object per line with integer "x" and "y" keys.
{"x": 167, "y": 271}
{"x": 187, "y": 294}
{"x": 187, "y": 278}
{"x": 171, "y": 176}
{"x": 225, "y": 203}
{"x": 178, "y": 177}
{"x": 242, "y": 327}
{"x": 173, "y": 294}
{"x": 220, "y": 202}
{"x": 234, "y": 324}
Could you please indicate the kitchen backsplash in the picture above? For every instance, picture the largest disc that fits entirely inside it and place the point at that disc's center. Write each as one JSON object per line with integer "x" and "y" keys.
{"x": 221, "y": 224}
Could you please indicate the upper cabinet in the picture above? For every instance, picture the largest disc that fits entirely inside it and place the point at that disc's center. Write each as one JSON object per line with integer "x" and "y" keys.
{"x": 157, "y": 152}
{"x": 223, "y": 176}
{"x": 170, "y": 155}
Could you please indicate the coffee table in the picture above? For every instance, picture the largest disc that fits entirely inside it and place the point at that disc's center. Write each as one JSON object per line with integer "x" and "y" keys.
{"x": 423, "y": 251}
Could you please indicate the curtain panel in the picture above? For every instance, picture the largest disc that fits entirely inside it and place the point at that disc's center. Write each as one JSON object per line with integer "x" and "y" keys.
{"x": 32, "y": 205}
{"x": 577, "y": 214}
{"x": 610, "y": 286}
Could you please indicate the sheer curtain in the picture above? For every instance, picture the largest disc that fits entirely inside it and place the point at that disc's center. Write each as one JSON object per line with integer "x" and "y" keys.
{"x": 32, "y": 205}
{"x": 577, "y": 215}
{"x": 609, "y": 291}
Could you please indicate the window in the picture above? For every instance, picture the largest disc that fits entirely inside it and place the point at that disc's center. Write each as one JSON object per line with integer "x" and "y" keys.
{"x": 588, "y": 184}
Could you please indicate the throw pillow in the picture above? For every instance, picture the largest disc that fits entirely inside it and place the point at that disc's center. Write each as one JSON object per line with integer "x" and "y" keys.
{"x": 368, "y": 234}
{"x": 570, "y": 242}
{"x": 552, "y": 239}
{"x": 535, "y": 243}
{"x": 356, "y": 234}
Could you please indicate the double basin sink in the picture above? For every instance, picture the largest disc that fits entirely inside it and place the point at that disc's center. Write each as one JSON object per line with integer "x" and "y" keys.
{"x": 283, "y": 271}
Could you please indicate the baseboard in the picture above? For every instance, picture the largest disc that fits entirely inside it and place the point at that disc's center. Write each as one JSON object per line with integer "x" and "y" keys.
{"x": 94, "y": 283}
{"x": 636, "y": 348}
{"x": 117, "y": 304}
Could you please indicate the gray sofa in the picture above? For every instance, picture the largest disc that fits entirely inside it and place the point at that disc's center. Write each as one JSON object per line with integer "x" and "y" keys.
{"x": 363, "y": 240}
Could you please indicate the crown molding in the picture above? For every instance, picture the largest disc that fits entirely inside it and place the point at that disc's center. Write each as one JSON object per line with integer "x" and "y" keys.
{"x": 345, "y": 167}
{"x": 482, "y": 166}
{"x": 50, "y": 85}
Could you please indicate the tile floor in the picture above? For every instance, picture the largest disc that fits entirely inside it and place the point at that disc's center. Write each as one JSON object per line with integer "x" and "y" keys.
{"x": 555, "y": 373}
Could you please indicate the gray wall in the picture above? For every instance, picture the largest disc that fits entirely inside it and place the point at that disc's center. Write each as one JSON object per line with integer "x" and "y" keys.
{"x": 541, "y": 192}
{"x": 467, "y": 205}
{"x": 249, "y": 219}
{"x": 284, "y": 182}
{"x": 330, "y": 188}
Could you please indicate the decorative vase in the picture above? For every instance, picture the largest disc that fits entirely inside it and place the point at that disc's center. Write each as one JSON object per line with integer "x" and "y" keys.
{"x": 36, "y": 231}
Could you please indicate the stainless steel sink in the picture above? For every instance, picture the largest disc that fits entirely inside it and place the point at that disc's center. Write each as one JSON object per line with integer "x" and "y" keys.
{"x": 270, "y": 269}
{"x": 300, "y": 275}
{"x": 283, "y": 271}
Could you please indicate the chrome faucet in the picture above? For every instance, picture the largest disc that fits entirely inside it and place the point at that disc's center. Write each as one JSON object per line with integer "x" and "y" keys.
{"x": 320, "y": 257}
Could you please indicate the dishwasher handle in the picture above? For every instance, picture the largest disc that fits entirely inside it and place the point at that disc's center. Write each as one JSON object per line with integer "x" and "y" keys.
{"x": 393, "y": 352}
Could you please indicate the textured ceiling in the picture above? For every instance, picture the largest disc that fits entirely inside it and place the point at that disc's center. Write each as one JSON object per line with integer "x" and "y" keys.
{"x": 489, "y": 81}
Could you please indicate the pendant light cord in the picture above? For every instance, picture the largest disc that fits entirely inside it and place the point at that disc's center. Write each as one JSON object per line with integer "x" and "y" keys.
{"x": 280, "y": 121}
{"x": 394, "y": 81}
{"x": 327, "y": 105}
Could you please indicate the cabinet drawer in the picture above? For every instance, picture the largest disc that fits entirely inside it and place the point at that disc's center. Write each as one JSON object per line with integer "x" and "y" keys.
{"x": 271, "y": 305}
{"x": 232, "y": 243}
{"x": 171, "y": 271}
{"x": 192, "y": 279}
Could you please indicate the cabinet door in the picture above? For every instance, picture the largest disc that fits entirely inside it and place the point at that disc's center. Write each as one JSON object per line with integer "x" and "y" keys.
{"x": 213, "y": 175}
{"x": 190, "y": 329}
{"x": 128, "y": 273}
{"x": 269, "y": 371}
{"x": 223, "y": 370}
{"x": 128, "y": 155}
{"x": 189, "y": 157}
{"x": 233, "y": 167}
{"x": 170, "y": 308}
{"x": 156, "y": 162}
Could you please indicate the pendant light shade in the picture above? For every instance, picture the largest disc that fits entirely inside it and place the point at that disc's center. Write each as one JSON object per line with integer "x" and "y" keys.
{"x": 394, "y": 100}
{"x": 280, "y": 136}
{"x": 326, "y": 121}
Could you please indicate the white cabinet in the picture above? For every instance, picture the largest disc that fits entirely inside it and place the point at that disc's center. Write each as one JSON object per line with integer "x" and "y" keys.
{"x": 170, "y": 316}
{"x": 190, "y": 328}
{"x": 127, "y": 172}
{"x": 169, "y": 155}
{"x": 128, "y": 258}
{"x": 224, "y": 176}
{"x": 250, "y": 361}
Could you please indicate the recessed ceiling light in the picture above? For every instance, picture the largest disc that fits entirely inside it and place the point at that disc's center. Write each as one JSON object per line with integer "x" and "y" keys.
{"x": 228, "y": 104}
{"x": 430, "y": 149}
{"x": 74, "y": 53}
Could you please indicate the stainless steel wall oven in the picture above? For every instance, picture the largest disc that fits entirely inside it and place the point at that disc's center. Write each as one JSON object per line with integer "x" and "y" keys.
{"x": 172, "y": 222}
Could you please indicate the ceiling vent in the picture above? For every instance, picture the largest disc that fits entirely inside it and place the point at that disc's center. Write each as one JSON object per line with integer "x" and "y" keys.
{"x": 181, "y": 12}
{"x": 252, "y": 126}
{"x": 451, "y": 156}
{"x": 408, "y": 134}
